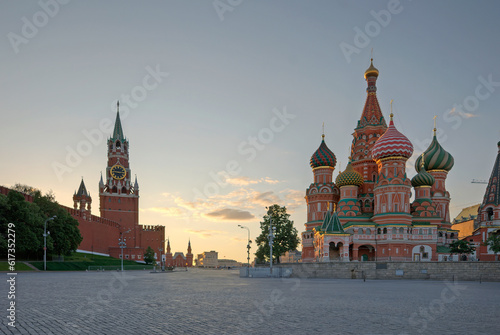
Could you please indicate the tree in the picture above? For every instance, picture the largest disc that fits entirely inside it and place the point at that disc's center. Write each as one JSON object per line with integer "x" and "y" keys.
{"x": 29, "y": 219}
{"x": 494, "y": 243}
{"x": 461, "y": 247}
{"x": 285, "y": 238}
{"x": 149, "y": 256}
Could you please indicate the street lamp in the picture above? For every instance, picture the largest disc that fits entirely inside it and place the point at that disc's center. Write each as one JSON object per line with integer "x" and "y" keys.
{"x": 122, "y": 242}
{"x": 272, "y": 231}
{"x": 45, "y": 233}
{"x": 248, "y": 249}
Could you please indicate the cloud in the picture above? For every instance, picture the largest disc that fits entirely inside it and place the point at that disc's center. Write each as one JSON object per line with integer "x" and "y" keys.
{"x": 168, "y": 211}
{"x": 463, "y": 114}
{"x": 230, "y": 214}
{"x": 204, "y": 233}
{"x": 266, "y": 198}
{"x": 245, "y": 181}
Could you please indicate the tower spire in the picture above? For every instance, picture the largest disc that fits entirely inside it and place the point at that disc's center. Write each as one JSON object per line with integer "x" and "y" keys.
{"x": 118, "y": 131}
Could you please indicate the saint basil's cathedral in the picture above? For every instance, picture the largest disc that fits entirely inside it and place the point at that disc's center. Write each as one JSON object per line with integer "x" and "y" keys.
{"x": 367, "y": 214}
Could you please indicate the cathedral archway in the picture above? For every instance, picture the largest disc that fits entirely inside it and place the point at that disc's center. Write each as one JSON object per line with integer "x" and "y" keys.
{"x": 366, "y": 252}
{"x": 335, "y": 251}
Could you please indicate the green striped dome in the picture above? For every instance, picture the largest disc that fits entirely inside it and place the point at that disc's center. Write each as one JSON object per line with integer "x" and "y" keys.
{"x": 349, "y": 177}
{"x": 323, "y": 156}
{"x": 436, "y": 158}
{"x": 423, "y": 178}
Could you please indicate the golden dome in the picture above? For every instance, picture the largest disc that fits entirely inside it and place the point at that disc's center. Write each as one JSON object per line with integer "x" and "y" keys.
{"x": 371, "y": 71}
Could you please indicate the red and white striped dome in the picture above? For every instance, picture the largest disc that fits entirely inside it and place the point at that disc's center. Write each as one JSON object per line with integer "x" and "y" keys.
{"x": 392, "y": 144}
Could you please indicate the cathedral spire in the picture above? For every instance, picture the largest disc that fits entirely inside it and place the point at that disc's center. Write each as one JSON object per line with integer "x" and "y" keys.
{"x": 492, "y": 194}
{"x": 118, "y": 131}
{"x": 372, "y": 114}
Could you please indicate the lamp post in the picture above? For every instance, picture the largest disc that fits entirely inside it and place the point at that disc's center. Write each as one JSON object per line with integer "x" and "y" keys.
{"x": 248, "y": 249}
{"x": 122, "y": 242}
{"x": 272, "y": 231}
{"x": 45, "y": 242}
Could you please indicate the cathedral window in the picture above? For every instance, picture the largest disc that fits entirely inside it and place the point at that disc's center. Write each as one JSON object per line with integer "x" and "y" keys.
{"x": 111, "y": 146}
{"x": 378, "y": 231}
{"x": 489, "y": 212}
{"x": 124, "y": 190}
{"x": 114, "y": 190}
{"x": 401, "y": 230}
{"x": 385, "y": 230}
{"x": 394, "y": 230}
{"x": 119, "y": 200}
{"x": 118, "y": 144}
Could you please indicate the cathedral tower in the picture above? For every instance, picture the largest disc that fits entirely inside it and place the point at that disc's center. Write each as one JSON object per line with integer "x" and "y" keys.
{"x": 119, "y": 198}
{"x": 370, "y": 127}
{"x": 322, "y": 196}
{"x": 438, "y": 162}
{"x": 393, "y": 189}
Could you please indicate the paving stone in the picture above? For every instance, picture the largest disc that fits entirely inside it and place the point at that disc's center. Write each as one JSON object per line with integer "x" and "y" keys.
{"x": 219, "y": 302}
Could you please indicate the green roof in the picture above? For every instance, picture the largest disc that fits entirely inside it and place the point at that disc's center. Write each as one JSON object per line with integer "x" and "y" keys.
{"x": 441, "y": 249}
{"x": 332, "y": 224}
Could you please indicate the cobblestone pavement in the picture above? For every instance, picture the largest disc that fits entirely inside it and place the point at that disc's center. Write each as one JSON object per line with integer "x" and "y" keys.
{"x": 219, "y": 302}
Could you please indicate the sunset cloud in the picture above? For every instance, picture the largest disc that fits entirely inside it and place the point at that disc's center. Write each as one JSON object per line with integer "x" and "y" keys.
{"x": 204, "y": 233}
{"x": 463, "y": 114}
{"x": 230, "y": 214}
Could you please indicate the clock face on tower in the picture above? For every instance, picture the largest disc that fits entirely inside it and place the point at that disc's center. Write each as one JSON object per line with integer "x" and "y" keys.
{"x": 118, "y": 172}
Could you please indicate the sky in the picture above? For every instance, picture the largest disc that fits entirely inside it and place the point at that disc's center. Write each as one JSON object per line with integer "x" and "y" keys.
{"x": 223, "y": 101}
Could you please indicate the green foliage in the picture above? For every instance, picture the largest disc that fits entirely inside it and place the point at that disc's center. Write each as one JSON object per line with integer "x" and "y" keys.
{"x": 29, "y": 219}
{"x": 461, "y": 247}
{"x": 285, "y": 239}
{"x": 494, "y": 243}
{"x": 149, "y": 256}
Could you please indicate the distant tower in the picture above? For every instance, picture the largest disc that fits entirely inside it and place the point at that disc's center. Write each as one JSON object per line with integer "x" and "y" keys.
{"x": 119, "y": 199}
{"x": 169, "y": 261}
{"x": 393, "y": 189}
{"x": 438, "y": 162}
{"x": 370, "y": 127}
{"x": 82, "y": 201}
{"x": 189, "y": 255}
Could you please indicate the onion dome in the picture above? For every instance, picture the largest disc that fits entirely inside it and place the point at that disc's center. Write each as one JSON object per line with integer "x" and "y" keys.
{"x": 392, "y": 144}
{"x": 435, "y": 157}
{"x": 349, "y": 177}
{"x": 423, "y": 178}
{"x": 371, "y": 71}
{"x": 323, "y": 156}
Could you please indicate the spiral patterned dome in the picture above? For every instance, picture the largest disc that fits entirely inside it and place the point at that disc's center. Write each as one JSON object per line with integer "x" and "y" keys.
{"x": 372, "y": 71}
{"x": 392, "y": 144}
{"x": 435, "y": 158}
{"x": 349, "y": 177}
{"x": 423, "y": 178}
{"x": 323, "y": 156}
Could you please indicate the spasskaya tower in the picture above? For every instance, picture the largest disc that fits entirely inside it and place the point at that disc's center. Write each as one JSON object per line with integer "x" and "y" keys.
{"x": 119, "y": 198}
